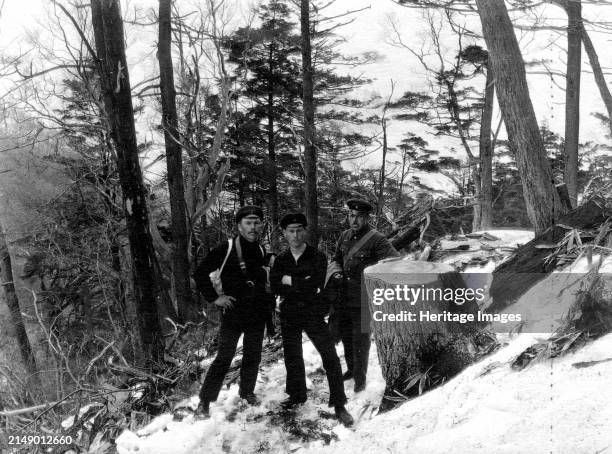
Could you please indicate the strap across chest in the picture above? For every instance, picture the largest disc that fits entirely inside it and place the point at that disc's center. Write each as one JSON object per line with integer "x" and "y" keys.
{"x": 241, "y": 261}
{"x": 358, "y": 246}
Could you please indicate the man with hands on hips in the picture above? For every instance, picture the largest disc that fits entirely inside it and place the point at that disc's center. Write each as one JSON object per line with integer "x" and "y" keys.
{"x": 245, "y": 302}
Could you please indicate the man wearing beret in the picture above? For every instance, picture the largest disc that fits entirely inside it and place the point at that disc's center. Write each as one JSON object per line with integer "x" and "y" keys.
{"x": 244, "y": 302}
{"x": 358, "y": 247}
{"x": 298, "y": 276}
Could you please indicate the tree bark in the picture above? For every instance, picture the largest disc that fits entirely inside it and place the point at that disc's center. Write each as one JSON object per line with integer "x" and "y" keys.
{"x": 604, "y": 91}
{"x": 310, "y": 156}
{"x": 109, "y": 38}
{"x": 381, "y": 192}
{"x": 541, "y": 198}
{"x": 272, "y": 170}
{"x": 486, "y": 155}
{"x": 572, "y": 97}
{"x": 415, "y": 347}
{"x": 12, "y": 301}
{"x": 174, "y": 162}
{"x": 400, "y": 189}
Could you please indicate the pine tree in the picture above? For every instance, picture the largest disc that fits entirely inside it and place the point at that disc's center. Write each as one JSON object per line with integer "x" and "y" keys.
{"x": 267, "y": 65}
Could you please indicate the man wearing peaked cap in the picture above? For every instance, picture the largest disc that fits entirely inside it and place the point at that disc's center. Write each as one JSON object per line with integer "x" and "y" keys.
{"x": 293, "y": 218}
{"x": 298, "y": 276}
{"x": 358, "y": 247}
{"x": 249, "y": 211}
{"x": 360, "y": 206}
{"x": 239, "y": 266}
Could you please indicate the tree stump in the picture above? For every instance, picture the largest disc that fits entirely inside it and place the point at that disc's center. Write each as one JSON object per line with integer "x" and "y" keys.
{"x": 420, "y": 352}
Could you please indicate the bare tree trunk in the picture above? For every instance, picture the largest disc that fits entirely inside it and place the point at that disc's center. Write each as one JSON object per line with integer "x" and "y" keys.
{"x": 174, "y": 161}
{"x": 272, "y": 173}
{"x": 131, "y": 306}
{"x": 6, "y": 275}
{"x": 109, "y": 37}
{"x": 572, "y": 97}
{"x": 604, "y": 91}
{"x": 400, "y": 190}
{"x": 310, "y": 156}
{"x": 541, "y": 198}
{"x": 381, "y": 193}
{"x": 486, "y": 155}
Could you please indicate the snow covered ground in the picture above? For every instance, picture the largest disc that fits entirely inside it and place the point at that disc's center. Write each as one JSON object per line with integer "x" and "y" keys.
{"x": 557, "y": 406}
{"x": 550, "y": 407}
{"x": 238, "y": 428}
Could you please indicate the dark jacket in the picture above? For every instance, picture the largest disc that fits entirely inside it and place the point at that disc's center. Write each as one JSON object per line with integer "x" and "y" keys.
{"x": 249, "y": 297}
{"x": 303, "y": 296}
{"x": 375, "y": 249}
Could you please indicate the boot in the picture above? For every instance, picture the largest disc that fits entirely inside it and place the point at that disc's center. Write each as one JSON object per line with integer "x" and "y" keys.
{"x": 343, "y": 415}
{"x": 251, "y": 399}
{"x": 291, "y": 402}
{"x": 203, "y": 410}
{"x": 347, "y": 375}
{"x": 359, "y": 387}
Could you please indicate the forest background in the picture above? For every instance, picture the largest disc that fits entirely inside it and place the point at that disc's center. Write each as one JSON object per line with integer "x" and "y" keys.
{"x": 123, "y": 160}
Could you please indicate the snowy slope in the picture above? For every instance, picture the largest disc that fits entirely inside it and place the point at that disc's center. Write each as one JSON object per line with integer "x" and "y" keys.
{"x": 554, "y": 406}
{"x": 550, "y": 407}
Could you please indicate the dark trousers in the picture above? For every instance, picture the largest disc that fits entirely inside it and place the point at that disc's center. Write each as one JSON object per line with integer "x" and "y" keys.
{"x": 356, "y": 343}
{"x": 318, "y": 332}
{"x": 229, "y": 333}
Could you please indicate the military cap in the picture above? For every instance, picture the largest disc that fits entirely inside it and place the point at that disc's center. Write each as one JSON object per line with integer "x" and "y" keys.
{"x": 293, "y": 218}
{"x": 249, "y": 211}
{"x": 359, "y": 205}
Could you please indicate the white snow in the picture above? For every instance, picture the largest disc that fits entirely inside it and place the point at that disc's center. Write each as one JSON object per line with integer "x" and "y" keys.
{"x": 508, "y": 238}
{"x": 551, "y": 406}
{"x": 253, "y": 428}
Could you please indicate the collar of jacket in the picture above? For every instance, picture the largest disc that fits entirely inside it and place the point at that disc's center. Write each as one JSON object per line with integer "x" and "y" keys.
{"x": 309, "y": 251}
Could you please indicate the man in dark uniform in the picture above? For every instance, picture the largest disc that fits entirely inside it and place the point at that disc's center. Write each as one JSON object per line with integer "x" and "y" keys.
{"x": 298, "y": 276}
{"x": 245, "y": 304}
{"x": 358, "y": 247}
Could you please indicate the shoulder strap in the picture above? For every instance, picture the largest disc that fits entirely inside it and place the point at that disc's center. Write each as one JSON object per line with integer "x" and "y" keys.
{"x": 229, "y": 250}
{"x": 358, "y": 245}
{"x": 241, "y": 261}
{"x": 240, "y": 257}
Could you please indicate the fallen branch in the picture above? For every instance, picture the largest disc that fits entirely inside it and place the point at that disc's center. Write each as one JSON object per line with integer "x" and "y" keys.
{"x": 100, "y": 355}
{"x": 46, "y": 407}
{"x": 21, "y": 411}
{"x": 140, "y": 373}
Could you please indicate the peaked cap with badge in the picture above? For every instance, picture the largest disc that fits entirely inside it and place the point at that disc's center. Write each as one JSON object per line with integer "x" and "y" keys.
{"x": 360, "y": 205}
